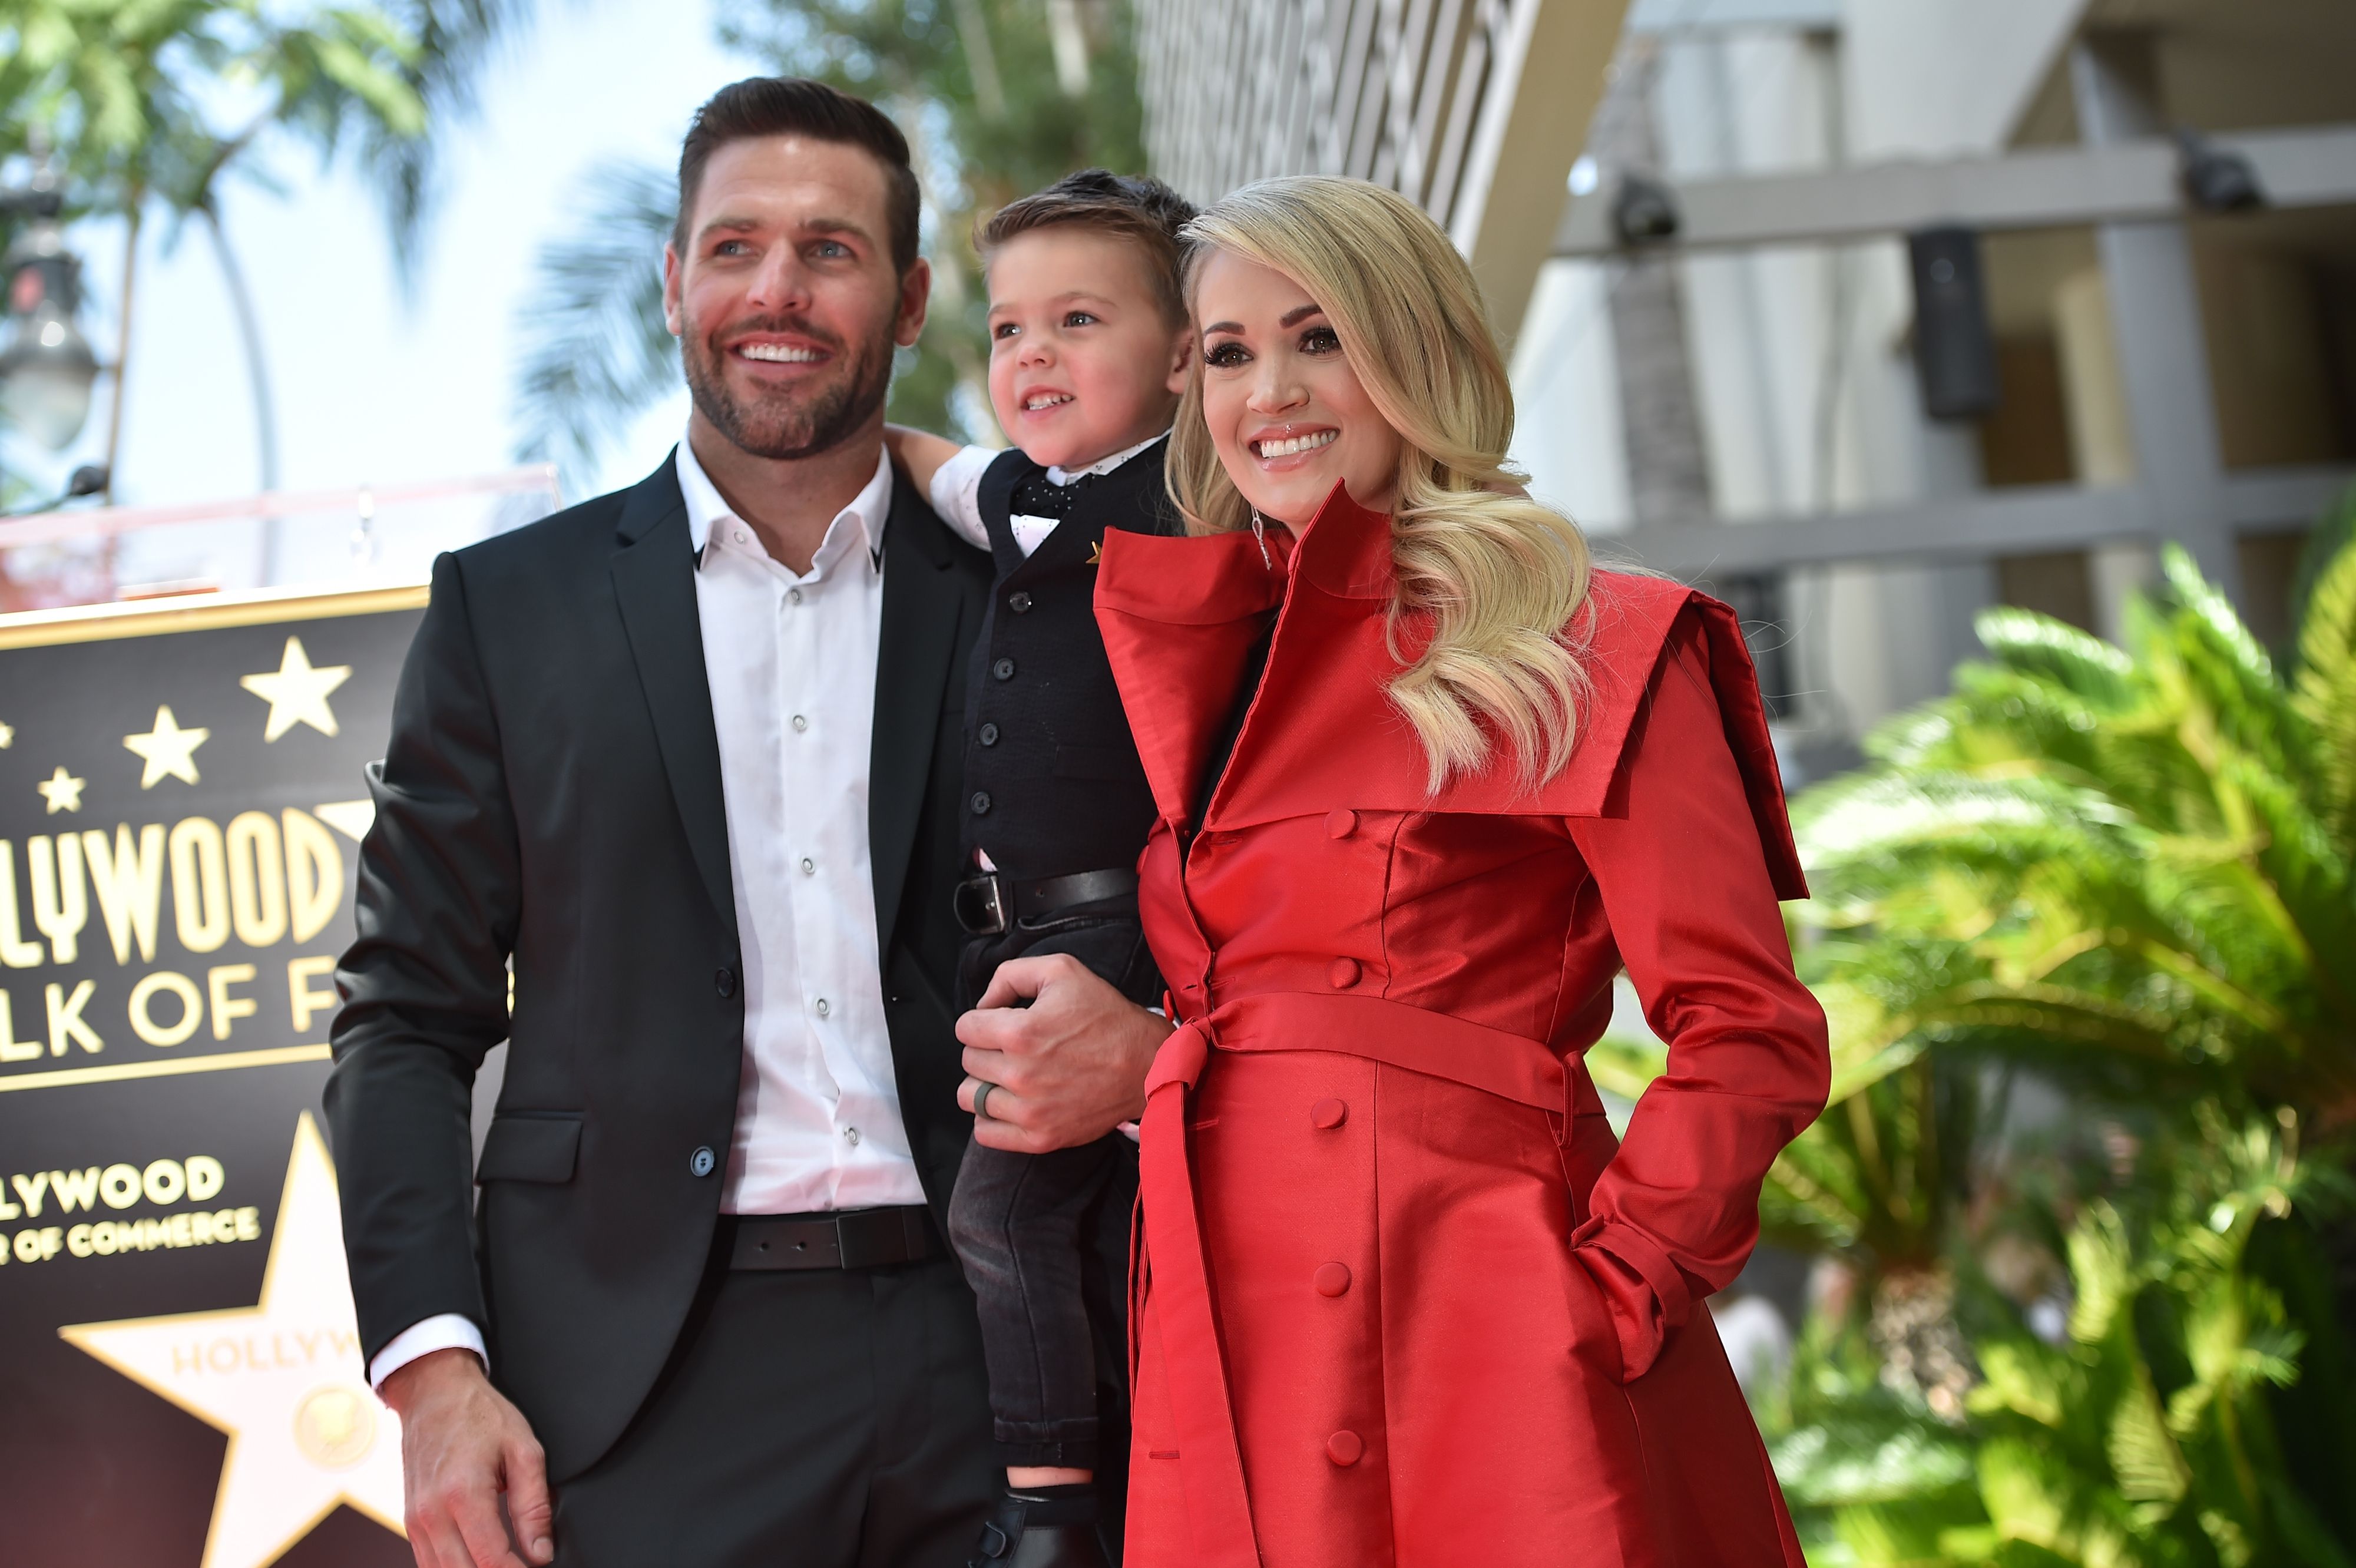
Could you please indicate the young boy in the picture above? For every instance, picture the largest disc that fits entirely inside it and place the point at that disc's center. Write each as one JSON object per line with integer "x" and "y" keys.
{"x": 1088, "y": 350}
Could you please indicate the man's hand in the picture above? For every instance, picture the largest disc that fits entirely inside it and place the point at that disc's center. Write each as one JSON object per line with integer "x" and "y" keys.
{"x": 462, "y": 1445}
{"x": 1068, "y": 1069}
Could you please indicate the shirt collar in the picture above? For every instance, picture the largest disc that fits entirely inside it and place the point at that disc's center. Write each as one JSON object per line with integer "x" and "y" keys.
{"x": 707, "y": 508}
{"x": 1102, "y": 464}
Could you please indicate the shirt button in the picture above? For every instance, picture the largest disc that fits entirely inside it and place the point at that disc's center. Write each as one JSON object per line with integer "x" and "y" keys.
{"x": 701, "y": 1162}
{"x": 1329, "y": 1114}
{"x": 851, "y": 1136}
{"x": 800, "y": 723}
{"x": 1004, "y": 670}
{"x": 823, "y": 1007}
{"x": 1340, "y": 824}
{"x": 1344, "y": 973}
{"x": 793, "y": 596}
{"x": 989, "y": 734}
{"x": 980, "y": 802}
{"x": 740, "y": 536}
{"x": 723, "y": 981}
{"x": 1345, "y": 1448}
{"x": 1018, "y": 602}
{"x": 808, "y": 866}
{"x": 1331, "y": 1279}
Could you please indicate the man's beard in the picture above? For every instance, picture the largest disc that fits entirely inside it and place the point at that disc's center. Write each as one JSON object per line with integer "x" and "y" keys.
{"x": 789, "y": 424}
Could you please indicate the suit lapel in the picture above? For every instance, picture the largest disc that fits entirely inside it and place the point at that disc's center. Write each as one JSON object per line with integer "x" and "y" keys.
{"x": 654, "y": 582}
{"x": 921, "y": 627}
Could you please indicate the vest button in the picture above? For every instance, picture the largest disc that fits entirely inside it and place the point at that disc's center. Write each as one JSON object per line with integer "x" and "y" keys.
{"x": 702, "y": 1162}
{"x": 989, "y": 735}
{"x": 1018, "y": 602}
{"x": 1328, "y": 1114}
{"x": 980, "y": 802}
{"x": 1340, "y": 824}
{"x": 1004, "y": 670}
{"x": 1345, "y": 1448}
{"x": 1344, "y": 973}
{"x": 723, "y": 981}
{"x": 1331, "y": 1279}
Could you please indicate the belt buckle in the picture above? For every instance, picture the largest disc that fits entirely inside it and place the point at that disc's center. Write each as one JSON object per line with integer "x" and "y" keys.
{"x": 980, "y": 905}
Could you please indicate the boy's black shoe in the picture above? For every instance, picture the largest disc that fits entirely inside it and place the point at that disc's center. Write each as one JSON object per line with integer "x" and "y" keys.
{"x": 1046, "y": 1527}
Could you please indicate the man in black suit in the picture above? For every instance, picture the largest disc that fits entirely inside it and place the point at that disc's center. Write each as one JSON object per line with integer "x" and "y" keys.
{"x": 685, "y": 759}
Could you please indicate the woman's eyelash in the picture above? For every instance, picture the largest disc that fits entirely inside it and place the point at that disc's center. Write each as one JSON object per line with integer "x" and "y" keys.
{"x": 1321, "y": 340}
{"x": 1224, "y": 355}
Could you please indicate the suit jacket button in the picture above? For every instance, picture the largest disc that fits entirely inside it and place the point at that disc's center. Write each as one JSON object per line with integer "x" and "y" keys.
{"x": 1331, "y": 1279}
{"x": 980, "y": 802}
{"x": 1340, "y": 824}
{"x": 1345, "y": 1448}
{"x": 989, "y": 734}
{"x": 1329, "y": 1114}
{"x": 1344, "y": 973}
{"x": 723, "y": 981}
{"x": 1018, "y": 602}
{"x": 1004, "y": 670}
{"x": 701, "y": 1162}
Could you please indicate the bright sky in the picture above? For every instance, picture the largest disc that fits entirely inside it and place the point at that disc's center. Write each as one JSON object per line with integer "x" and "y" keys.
{"x": 370, "y": 389}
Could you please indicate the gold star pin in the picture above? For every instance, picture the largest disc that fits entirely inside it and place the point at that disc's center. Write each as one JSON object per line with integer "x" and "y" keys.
{"x": 169, "y": 751}
{"x": 1096, "y": 553}
{"x": 297, "y": 692}
{"x": 283, "y": 1378}
{"x": 62, "y": 790}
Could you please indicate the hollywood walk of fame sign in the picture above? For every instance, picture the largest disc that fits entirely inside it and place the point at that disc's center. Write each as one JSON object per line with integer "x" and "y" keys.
{"x": 181, "y": 804}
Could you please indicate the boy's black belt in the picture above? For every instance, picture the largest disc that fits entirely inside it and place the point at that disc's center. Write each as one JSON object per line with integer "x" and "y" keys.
{"x": 988, "y": 904}
{"x": 851, "y": 1239}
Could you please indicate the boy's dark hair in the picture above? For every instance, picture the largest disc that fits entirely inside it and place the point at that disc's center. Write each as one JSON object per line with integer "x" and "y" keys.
{"x": 1135, "y": 206}
{"x": 796, "y": 106}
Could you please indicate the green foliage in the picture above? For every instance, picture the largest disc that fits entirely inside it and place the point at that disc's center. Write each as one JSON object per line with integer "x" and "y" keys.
{"x": 990, "y": 115}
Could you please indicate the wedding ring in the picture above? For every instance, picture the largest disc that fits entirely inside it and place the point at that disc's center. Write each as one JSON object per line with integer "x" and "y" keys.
{"x": 981, "y": 1087}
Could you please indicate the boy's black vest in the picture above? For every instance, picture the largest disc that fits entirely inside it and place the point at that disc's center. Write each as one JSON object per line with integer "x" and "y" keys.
{"x": 1053, "y": 784}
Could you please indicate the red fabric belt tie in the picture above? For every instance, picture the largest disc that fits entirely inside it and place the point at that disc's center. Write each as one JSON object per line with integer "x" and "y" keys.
{"x": 1512, "y": 1067}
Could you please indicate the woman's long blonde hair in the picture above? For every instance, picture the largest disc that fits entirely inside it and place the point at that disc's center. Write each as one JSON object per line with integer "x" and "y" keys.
{"x": 1499, "y": 574}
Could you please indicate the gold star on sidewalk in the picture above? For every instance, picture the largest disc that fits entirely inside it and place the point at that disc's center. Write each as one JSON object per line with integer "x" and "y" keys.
{"x": 297, "y": 693}
{"x": 283, "y": 1378}
{"x": 62, "y": 790}
{"x": 169, "y": 750}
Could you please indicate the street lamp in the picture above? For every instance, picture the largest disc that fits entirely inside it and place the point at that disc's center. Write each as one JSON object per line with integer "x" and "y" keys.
{"x": 48, "y": 367}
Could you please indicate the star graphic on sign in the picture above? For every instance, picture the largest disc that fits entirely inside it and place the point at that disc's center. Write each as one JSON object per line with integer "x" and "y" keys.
{"x": 283, "y": 1378}
{"x": 7, "y": 736}
{"x": 62, "y": 790}
{"x": 297, "y": 692}
{"x": 169, "y": 750}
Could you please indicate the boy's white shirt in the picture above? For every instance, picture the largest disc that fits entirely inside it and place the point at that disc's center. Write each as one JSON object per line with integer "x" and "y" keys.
{"x": 956, "y": 494}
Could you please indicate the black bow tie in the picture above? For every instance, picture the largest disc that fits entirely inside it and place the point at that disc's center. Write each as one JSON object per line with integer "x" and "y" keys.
{"x": 1036, "y": 496}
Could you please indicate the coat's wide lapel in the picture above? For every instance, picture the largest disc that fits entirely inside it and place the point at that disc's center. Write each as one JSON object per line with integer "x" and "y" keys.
{"x": 921, "y": 632}
{"x": 654, "y": 583}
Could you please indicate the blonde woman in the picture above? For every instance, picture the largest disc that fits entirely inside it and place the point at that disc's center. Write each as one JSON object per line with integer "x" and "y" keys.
{"x": 1426, "y": 781}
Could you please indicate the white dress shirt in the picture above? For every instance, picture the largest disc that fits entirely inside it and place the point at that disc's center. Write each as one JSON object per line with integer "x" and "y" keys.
{"x": 791, "y": 662}
{"x": 956, "y": 494}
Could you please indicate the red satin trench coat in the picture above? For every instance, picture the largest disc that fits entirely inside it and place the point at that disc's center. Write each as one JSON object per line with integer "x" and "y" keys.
{"x": 1400, "y": 1298}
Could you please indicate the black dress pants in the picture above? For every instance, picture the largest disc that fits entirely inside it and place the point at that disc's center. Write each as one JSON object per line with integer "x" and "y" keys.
{"x": 832, "y": 1418}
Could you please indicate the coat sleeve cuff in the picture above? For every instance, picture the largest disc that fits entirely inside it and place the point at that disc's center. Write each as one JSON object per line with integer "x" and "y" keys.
{"x": 1645, "y": 1290}
{"x": 443, "y": 1331}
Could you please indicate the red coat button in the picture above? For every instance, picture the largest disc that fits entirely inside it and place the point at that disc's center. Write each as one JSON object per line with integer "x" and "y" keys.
{"x": 1344, "y": 973}
{"x": 1331, "y": 1279}
{"x": 1329, "y": 1114}
{"x": 1340, "y": 824}
{"x": 1345, "y": 1448}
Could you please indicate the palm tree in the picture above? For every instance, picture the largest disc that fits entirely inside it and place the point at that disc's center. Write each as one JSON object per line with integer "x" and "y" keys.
{"x": 999, "y": 98}
{"x": 155, "y": 104}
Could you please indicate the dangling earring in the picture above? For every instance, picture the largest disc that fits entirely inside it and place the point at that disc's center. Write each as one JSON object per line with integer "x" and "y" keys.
{"x": 1259, "y": 532}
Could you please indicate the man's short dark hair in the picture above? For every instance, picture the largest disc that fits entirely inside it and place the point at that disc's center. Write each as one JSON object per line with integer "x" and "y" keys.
{"x": 1134, "y": 207}
{"x": 796, "y": 106}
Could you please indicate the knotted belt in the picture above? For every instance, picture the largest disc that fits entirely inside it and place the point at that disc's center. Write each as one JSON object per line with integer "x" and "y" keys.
{"x": 1493, "y": 1061}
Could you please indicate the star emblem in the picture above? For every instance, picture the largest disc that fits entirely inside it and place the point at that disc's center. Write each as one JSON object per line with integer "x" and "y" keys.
{"x": 169, "y": 751}
{"x": 283, "y": 1378}
{"x": 62, "y": 790}
{"x": 7, "y": 736}
{"x": 297, "y": 692}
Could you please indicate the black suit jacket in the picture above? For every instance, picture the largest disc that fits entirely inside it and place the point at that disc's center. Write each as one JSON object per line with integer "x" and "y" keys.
{"x": 552, "y": 794}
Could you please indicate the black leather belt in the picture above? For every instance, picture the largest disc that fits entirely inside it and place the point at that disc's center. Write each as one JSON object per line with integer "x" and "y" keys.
{"x": 854, "y": 1239}
{"x": 988, "y": 904}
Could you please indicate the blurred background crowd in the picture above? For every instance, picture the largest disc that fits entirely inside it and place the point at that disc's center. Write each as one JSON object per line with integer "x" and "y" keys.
{"x": 1996, "y": 358}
